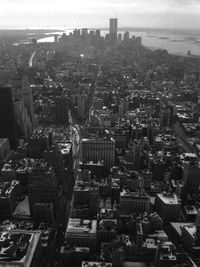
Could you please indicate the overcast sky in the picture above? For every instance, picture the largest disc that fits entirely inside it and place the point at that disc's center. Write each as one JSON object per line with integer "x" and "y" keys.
{"x": 95, "y": 13}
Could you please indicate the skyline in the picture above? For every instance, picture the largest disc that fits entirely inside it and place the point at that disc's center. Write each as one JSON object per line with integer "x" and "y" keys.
{"x": 172, "y": 14}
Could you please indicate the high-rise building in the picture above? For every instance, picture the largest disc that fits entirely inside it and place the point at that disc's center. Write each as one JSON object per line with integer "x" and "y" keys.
{"x": 119, "y": 36}
{"x": 62, "y": 106}
{"x": 126, "y": 36}
{"x": 25, "y": 244}
{"x": 82, "y": 233}
{"x": 42, "y": 184}
{"x": 168, "y": 206}
{"x": 28, "y": 98}
{"x": 8, "y": 127}
{"x": 133, "y": 202}
{"x": 84, "y": 32}
{"x": 113, "y": 29}
{"x": 98, "y": 33}
{"x": 34, "y": 41}
{"x": 191, "y": 174}
{"x": 96, "y": 149}
{"x": 5, "y": 152}
{"x": 81, "y": 105}
{"x": 9, "y": 194}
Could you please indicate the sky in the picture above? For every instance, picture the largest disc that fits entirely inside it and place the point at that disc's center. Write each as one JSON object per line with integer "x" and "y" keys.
{"x": 96, "y": 13}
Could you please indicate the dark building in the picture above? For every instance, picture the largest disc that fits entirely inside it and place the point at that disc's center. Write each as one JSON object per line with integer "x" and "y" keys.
{"x": 23, "y": 248}
{"x": 8, "y": 126}
{"x": 42, "y": 184}
{"x": 9, "y": 195}
{"x": 43, "y": 212}
{"x": 61, "y": 110}
{"x": 126, "y": 36}
{"x": 38, "y": 142}
{"x": 113, "y": 29}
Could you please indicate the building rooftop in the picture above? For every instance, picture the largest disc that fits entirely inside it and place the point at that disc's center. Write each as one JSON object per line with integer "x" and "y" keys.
{"x": 6, "y": 188}
{"x": 107, "y": 225}
{"x": 127, "y": 193}
{"x": 23, "y": 165}
{"x": 134, "y": 264}
{"x": 98, "y": 139}
{"x": 178, "y": 226}
{"x": 18, "y": 247}
{"x": 65, "y": 148}
{"x": 190, "y": 210}
{"x": 170, "y": 199}
{"x": 191, "y": 229}
{"x": 22, "y": 209}
{"x": 167, "y": 252}
{"x": 78, "y": 226}
{"x": 150, "y": 243}
{"x": 65, "y": 249}
{"x": 95, "y": 264}
{"x": 91, "y": 163}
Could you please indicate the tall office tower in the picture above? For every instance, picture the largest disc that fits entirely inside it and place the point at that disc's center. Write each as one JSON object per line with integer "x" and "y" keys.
{"x": 81, "y": 233}
{"x": 95, "y": 149}
{"x": 81, "y": 105}
{"x": 61, "y": 110}
{"x": 8, "y": 127}
{"x": 84, "y": 32}
{"x": 133, "y": 202}
{"x": 42, "y": 184}
{"x": 113, "y": 29}
{"x": 191, "y": 174}
{"x": 5, "y": 152}
{"x": 28, "y": 98}
{"x": 168, "y": 206}
{"x": 119, "y": 36}
{"x": 10, "y": 192}
{"x": 98, "y": 33}
{"x": 126, "y": 36}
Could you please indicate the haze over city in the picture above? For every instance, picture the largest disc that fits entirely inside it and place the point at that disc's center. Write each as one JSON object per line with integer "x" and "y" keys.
{"x": 94, "y": 13}
{"x": 100, "y": 133}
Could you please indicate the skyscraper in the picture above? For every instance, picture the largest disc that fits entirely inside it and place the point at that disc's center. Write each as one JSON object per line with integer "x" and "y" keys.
{"x": 61, "y": 110}
{"x": 8, "y": 127}
{"x": 113, "y": 29}
{"x": 28, "y": 98}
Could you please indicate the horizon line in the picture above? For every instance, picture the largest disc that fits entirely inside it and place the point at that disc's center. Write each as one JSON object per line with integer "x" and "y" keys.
{"x": 62, "y": 28}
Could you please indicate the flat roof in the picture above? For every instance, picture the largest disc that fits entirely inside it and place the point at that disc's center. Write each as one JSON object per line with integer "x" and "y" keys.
{"x": 96, "y": 264}
{"x": 26, "y": 241}
{"x": 22, "y": 208}
{"x": 191, "y": 229}
{"x": 177, "y": 226}
{"x": 78, "y": 226}
{"x": 159, "y": 234}
{"x": 127, "y": 193}
{"x": 64, "y": 147}
{"x": 6, "y": 188}
{"x": 134, "y": 264}
{"x": 169, "y": 199}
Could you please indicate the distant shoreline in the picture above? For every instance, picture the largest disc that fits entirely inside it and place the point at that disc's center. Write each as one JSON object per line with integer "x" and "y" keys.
{"x": 175, "y": 41}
